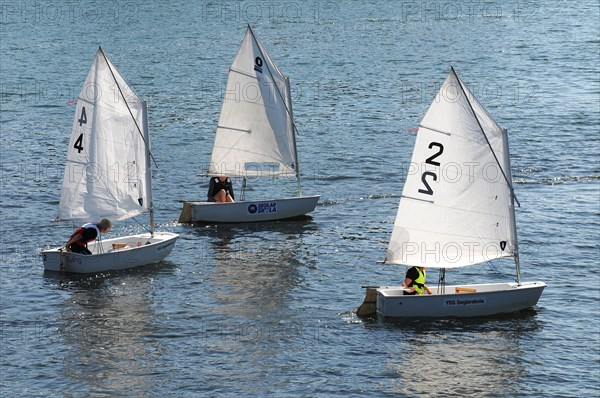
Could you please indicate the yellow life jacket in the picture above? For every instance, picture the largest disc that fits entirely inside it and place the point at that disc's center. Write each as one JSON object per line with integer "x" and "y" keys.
{"x": 419, "y": 283}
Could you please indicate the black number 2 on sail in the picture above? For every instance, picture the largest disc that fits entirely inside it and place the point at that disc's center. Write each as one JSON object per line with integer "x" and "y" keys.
{"x": 430, "y": 174}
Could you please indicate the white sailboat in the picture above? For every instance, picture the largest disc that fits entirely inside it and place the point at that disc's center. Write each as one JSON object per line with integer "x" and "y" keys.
{"x": 256, "y": 137}
{"x": 456, "y": 210}
{"x": 108, "y": 175}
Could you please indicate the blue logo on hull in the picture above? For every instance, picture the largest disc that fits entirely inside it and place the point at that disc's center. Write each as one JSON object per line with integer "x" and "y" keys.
{"x": 262, "y": 208}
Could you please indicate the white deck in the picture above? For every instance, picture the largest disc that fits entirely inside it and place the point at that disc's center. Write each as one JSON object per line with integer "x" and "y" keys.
{"x": 140, "y": 250}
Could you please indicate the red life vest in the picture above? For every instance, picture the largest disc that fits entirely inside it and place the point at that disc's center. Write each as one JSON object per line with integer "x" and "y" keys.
{"x": 81, "y": 242}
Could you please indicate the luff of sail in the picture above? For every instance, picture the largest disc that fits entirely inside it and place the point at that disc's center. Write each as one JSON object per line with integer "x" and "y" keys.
{"x": 255, "y": 133}
{"x": 106, "y": 167}
{"x": 456, "y": 205}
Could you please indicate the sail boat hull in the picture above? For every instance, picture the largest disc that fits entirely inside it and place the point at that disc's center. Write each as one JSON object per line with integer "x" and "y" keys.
{"x": 449, "y": 220}
{"x": 110, "y": 132}
{"x": 459, "y": 301}
{"x": 251, "y": 211}
{"x": 112, "y": 254}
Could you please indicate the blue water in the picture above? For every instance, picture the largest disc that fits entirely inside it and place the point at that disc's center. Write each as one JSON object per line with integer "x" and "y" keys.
{"x": 268, "y": 310}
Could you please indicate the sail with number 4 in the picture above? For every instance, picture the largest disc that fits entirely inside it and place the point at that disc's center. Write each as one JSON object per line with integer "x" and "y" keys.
{"x": 255, "y": 133}
{"x": 457, "y": 205}
{"x": 107, "y": 172}
{"x": 108, "y": 175}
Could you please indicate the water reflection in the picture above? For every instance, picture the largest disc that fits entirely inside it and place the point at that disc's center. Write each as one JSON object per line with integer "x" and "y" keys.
{"x": 256, "y": 266}
{"x": 104, "y": 324}
{"x": 481, "y": 357}
{"x": 250, "y": 322}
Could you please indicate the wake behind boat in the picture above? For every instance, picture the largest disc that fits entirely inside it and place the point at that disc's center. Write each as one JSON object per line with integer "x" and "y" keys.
{"x": 108, "y": 175}
{"x": 256, "y": 137}
{"x": 456, "y": 210}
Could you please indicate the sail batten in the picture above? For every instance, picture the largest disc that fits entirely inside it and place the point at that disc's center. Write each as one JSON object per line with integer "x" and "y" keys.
{"x": 234, "y": 129}
{"x": 419, "y": 199}
{"x": 455, "y": 208}
{"x": 256, "y": 102}
{"x": 435, "y": 130}
{"x": 243, "y": 73}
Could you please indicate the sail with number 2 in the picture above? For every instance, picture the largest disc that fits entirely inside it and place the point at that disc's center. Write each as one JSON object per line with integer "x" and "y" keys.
{"x": 456, "y": 207}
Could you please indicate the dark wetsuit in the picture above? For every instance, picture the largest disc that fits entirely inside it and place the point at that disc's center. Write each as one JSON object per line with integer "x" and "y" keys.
{"x": 216, "y": 185}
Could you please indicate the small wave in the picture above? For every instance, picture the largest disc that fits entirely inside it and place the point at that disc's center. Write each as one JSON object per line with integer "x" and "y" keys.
{"x": 339, "y": 178}
{"x": 558, "y": 180}
{"x": 47, "y": 106}
{"x": 383, "y": 196}
{"x": 569, "y": 178}
{"x": 332, "y": 202}
{"x": 586, "y": 246}
{"x": 14, "y": 206}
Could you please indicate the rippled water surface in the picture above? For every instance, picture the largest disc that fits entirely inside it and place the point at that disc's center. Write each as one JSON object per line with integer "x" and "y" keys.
{"x": 268, "y": 310}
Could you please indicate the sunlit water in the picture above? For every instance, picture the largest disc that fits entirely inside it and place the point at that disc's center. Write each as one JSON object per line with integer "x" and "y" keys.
{"x": 258, "y": 310}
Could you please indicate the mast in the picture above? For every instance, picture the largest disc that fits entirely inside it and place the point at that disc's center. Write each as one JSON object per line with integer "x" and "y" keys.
{"x": 513, "y": 220}
{"x": 293, "y": 132}
{"x": 148, "y": 168}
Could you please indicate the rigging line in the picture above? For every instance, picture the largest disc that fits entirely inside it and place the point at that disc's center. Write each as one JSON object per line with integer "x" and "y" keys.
{"x": 512, "y": 192}
{"x": 495, "y": 269}
{"x": 129, "y": 109}
{"x": 142, "y": 225}
{"x": 99, "y": 244}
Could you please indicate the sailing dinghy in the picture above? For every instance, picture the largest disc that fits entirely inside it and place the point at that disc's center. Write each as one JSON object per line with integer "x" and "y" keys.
{"x": 256, "y": 137}
{"x": 456, "y": 209}
{"x": 108, "y": 175}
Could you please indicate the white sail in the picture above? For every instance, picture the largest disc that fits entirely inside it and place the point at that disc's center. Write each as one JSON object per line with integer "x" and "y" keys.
{"x": 106, "y": 168}
{"x": 456, "y": 205}
{"x": 255, "y": 134}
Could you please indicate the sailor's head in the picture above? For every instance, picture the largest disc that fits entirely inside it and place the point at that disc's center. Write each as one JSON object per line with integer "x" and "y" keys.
{"x": 104, "y": 225}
